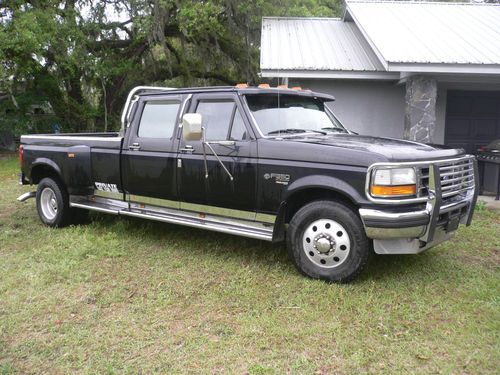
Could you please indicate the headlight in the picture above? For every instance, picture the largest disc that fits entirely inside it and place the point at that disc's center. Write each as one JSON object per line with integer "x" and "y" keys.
{"x": 393, "y": 182}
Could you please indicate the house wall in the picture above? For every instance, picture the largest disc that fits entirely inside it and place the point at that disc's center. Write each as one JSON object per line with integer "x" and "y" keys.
{"x": 367, "y": 107}
{"x": 377, "y": 107}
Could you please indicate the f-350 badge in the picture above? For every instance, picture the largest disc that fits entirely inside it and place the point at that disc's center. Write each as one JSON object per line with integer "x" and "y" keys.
{"x": 279, "y": 178}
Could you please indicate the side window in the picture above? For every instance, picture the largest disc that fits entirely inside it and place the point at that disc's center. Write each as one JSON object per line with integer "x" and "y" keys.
{"x": 238, "y": 131}
{"x": 158, "y": 119}
{"x": 217, "y": 117}
{"x": 220, "y": 118}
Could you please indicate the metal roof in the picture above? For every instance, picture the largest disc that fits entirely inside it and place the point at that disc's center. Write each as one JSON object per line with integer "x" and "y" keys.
{"x": 430, "y": 36}
{"x": 293, "y": 46}
{"x": 382, "y": 39}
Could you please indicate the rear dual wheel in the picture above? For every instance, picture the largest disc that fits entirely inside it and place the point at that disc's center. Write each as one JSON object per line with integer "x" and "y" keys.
{"x": 52, "y": 203}
{"x": 326, "y": 240}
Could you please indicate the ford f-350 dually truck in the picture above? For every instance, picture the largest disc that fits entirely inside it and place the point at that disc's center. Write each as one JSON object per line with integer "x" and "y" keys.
{"x": 267, "y": 163}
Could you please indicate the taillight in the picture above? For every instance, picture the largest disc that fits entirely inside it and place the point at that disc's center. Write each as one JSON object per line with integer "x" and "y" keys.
{"x": 21, "y": 154}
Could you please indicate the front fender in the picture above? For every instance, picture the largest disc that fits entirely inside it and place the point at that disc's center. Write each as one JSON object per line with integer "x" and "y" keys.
{"x": 326, "y": 183}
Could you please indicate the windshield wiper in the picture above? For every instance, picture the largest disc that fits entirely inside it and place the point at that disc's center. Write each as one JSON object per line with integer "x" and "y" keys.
{"x": 337, "y": 130}
{"x": 294, "y": 131}
{"x": 287, "y": 131}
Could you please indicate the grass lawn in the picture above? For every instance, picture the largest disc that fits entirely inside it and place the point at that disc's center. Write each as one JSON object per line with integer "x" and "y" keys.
{"x": 120, "y": 295}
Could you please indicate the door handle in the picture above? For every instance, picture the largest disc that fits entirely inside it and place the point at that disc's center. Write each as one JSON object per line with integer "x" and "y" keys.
{"x": 187, "y": 149}
{"x": 134, "y": 146}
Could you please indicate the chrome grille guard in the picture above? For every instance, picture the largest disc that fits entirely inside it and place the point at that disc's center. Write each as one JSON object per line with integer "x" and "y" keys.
{"x": 437, "y": 198}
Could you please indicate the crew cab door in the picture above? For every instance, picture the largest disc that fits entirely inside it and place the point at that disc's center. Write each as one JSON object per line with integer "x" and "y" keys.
{"x": 223, "y": 119}
{"x": 150, "y": 149}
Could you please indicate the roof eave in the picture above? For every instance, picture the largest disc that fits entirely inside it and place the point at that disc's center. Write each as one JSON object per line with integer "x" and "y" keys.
{"x": 329, "y": 74}
{"x": 493, "y": 69}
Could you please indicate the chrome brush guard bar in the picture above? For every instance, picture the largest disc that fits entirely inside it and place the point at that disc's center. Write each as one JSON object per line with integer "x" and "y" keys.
{"x": 402, "y": 220}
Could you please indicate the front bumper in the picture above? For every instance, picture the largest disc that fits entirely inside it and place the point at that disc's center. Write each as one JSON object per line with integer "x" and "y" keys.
{"x": 397, "y": 230}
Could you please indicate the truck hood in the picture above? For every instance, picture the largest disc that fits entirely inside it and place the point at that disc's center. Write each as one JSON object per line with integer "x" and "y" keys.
{"x": 362, "y": 150}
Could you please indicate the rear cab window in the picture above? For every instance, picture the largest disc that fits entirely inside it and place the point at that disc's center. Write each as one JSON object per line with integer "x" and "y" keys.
{"x": 159, "y": 119}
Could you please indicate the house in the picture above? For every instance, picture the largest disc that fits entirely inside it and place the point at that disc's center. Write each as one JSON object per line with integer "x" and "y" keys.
{"x": 424, "y": 71}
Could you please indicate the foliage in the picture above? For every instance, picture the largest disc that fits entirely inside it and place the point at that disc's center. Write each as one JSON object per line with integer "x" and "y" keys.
{"x": 82, "y": 56}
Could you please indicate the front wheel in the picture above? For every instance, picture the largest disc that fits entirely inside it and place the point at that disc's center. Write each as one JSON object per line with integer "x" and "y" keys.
{"x": 326, "y": 240}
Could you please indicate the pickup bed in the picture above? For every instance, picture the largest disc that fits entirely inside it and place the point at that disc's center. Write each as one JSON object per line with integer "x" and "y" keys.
{"x": 265, "y": 163}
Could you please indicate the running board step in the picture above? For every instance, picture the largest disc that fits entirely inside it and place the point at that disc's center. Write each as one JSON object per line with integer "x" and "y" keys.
{"x": 96, "y": 206}
{"x": 239, "y": 228}
{"x": 223, "y": 225}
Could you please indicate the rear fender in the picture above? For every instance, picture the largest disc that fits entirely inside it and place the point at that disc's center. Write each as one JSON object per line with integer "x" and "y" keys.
{"x": 49, "y": 168}
{"x": 76, "y": 174}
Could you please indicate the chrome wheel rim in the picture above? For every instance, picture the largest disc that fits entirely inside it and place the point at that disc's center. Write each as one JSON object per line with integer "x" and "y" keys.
{"x": 326, "y": 243}
{"x": 48, "y": 203}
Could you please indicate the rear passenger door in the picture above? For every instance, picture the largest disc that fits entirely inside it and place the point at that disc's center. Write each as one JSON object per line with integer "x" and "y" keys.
{"x": 150, "y": 148}
{"x": 223, "y": 119}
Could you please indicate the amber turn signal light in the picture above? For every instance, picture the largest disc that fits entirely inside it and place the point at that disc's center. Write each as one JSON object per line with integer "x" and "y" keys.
{"x": 388, "y": 191}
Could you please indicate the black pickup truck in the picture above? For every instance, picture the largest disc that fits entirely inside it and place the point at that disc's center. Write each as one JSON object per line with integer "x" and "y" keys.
{"x": 266, "y": 163}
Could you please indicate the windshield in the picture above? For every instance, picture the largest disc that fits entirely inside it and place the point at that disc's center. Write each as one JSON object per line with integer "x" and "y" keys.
{"x": 292, "y": 114}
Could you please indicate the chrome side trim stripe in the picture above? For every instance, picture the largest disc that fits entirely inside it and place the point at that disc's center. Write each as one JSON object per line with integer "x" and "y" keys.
{"x": 219, "y": 211}
{"x": 153, "y": 201}
{"x": 265, "y": 218}
{"x": 201, "y": 208}
{"x": 108, "y": 194}
{"x": 184, "y": 206}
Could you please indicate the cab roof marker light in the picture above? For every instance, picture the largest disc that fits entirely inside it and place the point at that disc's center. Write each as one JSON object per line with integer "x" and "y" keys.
{"x": 264, "y": 86}
{"x": 241, "y": 86}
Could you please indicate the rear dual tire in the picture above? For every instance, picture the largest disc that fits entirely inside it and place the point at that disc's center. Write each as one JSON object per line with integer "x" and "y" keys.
{"x": 52, "y": 204}
{"x": 326, "y": 240}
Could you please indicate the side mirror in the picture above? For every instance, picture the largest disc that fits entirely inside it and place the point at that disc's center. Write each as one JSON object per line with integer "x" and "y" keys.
{"x": 191, "y": 127}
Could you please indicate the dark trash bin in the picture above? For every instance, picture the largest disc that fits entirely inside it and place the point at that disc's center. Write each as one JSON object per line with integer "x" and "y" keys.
{"x": 488, "y": 158}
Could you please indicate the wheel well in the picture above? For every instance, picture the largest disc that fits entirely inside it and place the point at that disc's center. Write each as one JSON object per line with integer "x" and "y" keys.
{"x": 302, "y": 197}
{"x": 41, "y": 171}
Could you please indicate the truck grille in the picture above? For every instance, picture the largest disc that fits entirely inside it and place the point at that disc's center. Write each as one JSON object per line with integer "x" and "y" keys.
{"x": 457, "y": 176}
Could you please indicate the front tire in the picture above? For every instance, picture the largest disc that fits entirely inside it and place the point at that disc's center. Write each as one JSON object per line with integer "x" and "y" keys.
{"x": 52, "y": 203}
{"x": 326, "y": 240}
